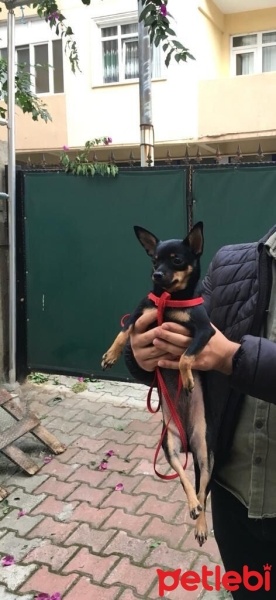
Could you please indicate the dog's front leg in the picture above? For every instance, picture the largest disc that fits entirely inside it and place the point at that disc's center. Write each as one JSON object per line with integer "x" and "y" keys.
{"x": 114, "y": 352}
{"x": 200, "y": 339}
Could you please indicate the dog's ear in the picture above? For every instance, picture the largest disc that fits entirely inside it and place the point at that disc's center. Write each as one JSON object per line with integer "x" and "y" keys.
{"x": 195, "y": 239}
{"x": 147, "y": 239}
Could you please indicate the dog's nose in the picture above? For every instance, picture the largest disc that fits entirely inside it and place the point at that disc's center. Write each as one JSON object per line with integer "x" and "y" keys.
{"x": 158, "y": 275}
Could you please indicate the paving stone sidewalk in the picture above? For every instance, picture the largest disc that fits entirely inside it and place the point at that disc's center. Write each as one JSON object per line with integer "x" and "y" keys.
{"x": 80, "y": 536}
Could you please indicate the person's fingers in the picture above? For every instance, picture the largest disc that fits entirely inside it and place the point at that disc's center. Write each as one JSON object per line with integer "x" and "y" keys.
{"x": 166, "y": 363}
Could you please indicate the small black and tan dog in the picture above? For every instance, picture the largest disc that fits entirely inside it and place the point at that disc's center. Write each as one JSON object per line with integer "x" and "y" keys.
{"x": 176, "y": 272}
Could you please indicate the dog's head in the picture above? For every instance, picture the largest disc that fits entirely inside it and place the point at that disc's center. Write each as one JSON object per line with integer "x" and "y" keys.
{"x": 175, "y": 262}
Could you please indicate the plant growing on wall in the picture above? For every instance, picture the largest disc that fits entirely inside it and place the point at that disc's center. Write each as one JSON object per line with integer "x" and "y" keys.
{"x": 83, "y": 165}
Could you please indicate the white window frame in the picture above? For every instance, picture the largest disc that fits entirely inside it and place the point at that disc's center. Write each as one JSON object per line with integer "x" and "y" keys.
{"x": 50, "y": 66}
{"x": 114, "y": 21}
{"x": 256, "y": 49}
{"x": 29, "y": 34}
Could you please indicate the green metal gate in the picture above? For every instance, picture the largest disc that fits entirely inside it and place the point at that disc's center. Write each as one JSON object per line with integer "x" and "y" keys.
{"x": 83, "y": 267}
{"x": 236, "y": 203}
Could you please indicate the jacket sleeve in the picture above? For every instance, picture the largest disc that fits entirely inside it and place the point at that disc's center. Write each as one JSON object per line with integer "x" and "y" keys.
{"x": 206, "y": 289}
{"x": 254, "y": 368}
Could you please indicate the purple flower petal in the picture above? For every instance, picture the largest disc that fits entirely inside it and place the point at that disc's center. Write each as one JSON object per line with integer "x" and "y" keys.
{"x": 80, "y": 379}
{"x": 65, "y": 148}
{"x": 119, "y": 487}
{"x": 55, "y": 596}
{"x": 21, "y": 513}
{"x": 110, "y": 453}
{"x": 103, "y": 465}
{"x": 47, "y": 459}
{"x": 43, "y": 596}
{"x": 8, "y": 560}
{"x": 163, "y": 10}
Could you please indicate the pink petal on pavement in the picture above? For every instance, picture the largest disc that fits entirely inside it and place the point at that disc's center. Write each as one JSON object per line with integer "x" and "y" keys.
{"x": 119, "y": 487}
{"x": 42, "y": 596}
{"x": 103, "y": 465}
{"x": 21, "y": 513}
{"x": 8, "y": 560}
{"x": 55, "y": 596}
{"x": 110, "y": 453}
{"x": 47, "y": 459}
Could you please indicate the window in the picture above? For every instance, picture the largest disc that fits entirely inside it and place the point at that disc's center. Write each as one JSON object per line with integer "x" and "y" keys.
{"x": 254, "y": 53}
{"x": 120, "y": 53}
{"x": 45, "y": 64}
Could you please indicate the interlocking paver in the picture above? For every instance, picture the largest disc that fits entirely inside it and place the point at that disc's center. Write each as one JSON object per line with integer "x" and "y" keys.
{"x": 79, "y": 536}
{"x": 50, "y": 554}
{"x": 86, "y": 535}
{"x": 56, "y": 531}
{"x": 89, "y": 494}
{"x": 127, "y": 545}
{"x": 125, "y": 522}
{"x": 16, "y": 546}
{"x": 130, "y": 575}
{"x": 49, "y": 583}
{"x": 15, "y": 575}
{"x": 57, "y": 488}
{"x": 90, "y": 564}
{"x": 86, "y": 590}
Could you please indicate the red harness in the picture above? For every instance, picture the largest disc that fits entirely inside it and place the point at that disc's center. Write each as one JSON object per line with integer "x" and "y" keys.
{"x": 163, "y": 302}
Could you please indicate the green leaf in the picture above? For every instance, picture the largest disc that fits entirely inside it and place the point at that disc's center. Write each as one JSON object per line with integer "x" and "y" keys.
{"x": 155, "y": 544}
{"x": 168, "y": 58}
{"x": 170, "y": 31}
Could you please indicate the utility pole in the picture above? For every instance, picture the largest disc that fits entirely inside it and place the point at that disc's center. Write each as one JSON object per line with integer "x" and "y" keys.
{"x": 146, "y": 126}
{"x": 10, "y": 122}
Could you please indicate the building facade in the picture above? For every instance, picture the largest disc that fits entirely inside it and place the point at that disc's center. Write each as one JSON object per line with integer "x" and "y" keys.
{"x": 223, "y": 98}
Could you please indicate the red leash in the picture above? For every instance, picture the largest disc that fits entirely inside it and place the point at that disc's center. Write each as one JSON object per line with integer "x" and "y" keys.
{"x": 162, "y": 302}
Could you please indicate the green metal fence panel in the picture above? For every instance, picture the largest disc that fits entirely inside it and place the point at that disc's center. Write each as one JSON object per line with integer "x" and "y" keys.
{"x": 85, "y": 267}
{"x": 236, "y": 204}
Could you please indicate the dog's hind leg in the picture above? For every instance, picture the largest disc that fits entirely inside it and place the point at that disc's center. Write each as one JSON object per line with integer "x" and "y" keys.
{"x": 205, "y": 467}
{"x": 171, "y": 447}
{"x": 202, "y": 458}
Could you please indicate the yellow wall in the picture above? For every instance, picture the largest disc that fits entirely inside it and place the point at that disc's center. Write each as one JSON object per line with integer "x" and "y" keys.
{"x": 38, "y": 135}
{"x": 209, "y": 40}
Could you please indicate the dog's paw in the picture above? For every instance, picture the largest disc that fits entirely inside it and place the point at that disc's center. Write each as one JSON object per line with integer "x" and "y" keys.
{"x": 187, "y": 380}
{"x": 195, "y": 511}
{"x": 201, "y": 535}
{"x": 108, "y": 360}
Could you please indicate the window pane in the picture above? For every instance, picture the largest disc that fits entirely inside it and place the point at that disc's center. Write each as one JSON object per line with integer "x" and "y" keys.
{"x": 109, "y": 31}
{"x": 131, "y": 28}
{"x": 244, "y": 40}
{"x": 4, "y": 53}
{"x": 269, "y": 38}
{"x": 131, "y": 64}
{"x": 156, "y": 61}
{"x": 110, "y": 61}
{"x": 23, "y": 58}
{"x": 269, "y": 59}
{"x": 41, "y": 71}
{"x": 58, "y": 67}
{"x": 245, "y": 63}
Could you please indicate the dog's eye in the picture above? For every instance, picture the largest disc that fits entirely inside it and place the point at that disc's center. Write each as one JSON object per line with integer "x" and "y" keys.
{"x": 177, "y": 260}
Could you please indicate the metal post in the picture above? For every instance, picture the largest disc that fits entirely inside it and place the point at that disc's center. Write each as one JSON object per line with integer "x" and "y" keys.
{"x": 146, "y": 126}
{"x": 11, "y": 192}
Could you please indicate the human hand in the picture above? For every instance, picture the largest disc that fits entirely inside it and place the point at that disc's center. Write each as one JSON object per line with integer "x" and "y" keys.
{"x": 149, "y": 346}
{"x": 217, "y": 355}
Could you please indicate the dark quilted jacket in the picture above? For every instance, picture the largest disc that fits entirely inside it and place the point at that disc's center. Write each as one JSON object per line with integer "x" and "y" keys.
{"x": 236, "y": 291}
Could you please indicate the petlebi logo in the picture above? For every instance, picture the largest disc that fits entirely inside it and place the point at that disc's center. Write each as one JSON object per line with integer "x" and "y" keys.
{"x": 214, "y": 580}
